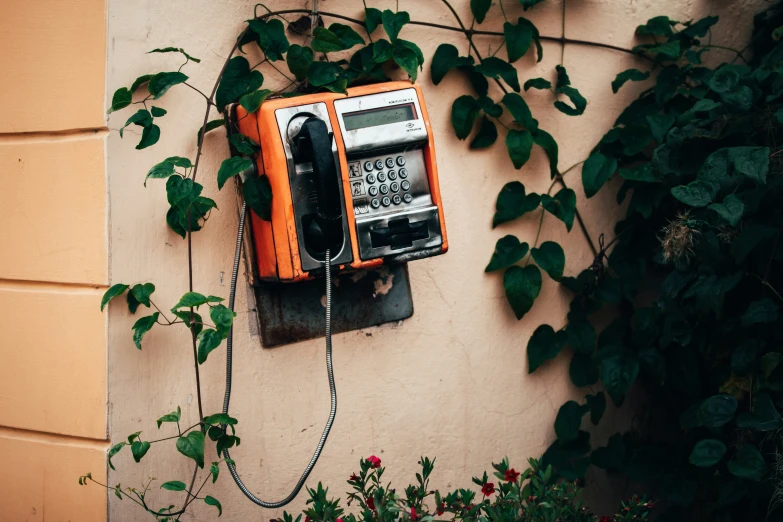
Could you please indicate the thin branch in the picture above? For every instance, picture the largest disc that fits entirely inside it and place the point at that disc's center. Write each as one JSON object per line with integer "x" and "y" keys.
{"x": 209, "y": 102}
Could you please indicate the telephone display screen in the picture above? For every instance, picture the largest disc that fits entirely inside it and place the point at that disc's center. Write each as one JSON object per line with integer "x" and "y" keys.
{"x": 372, "y": 118}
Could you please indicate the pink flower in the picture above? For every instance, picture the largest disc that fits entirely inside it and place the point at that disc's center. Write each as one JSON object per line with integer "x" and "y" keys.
{"x": 339, "y": 519}
{"x": 374, "y": 461}
{"x": 414, "y": 516}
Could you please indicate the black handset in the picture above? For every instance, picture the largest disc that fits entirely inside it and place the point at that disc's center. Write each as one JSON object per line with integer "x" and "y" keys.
{"x": 323, "y": 230}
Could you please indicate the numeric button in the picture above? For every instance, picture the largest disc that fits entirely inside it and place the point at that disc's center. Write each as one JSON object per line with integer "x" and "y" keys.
{"x": 394, "y": 187}
{"x": 381, "y": 177}
{"x": 389, "y": 162}
{"x": 375, "y": 203}
{"x": 386, "y": 201}
{"x": 373, "y": 191}
{"x": 368, "y": 166}
{"x": 384, "y": 189}
{"x": 400, "y": 161}
{"x": 407, "y": 197}
{"x": 379, "y": 164}
{"x": 405, "y": 185}
{"x": 392, "y": 175}
{"x": 403, "y": 173}
{"x": 370, "y": 178}
{"x": 397, "y": 199}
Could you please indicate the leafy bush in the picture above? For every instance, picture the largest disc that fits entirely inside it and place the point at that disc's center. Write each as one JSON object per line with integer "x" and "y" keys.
{"x": 533, "y": 495}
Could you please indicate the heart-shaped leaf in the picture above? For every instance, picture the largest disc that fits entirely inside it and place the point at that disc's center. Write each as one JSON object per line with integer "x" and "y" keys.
{"x": 549, "y": 256}
{"x": 522, "y": 286}
{"x": 192, "y": 446}
{"x": 393, "y": 22}
{"x": 508, "y": 250}
{"x": 707, "y": 453}
{"x": 544, "y": 345}
{"x": 513, "y": 203}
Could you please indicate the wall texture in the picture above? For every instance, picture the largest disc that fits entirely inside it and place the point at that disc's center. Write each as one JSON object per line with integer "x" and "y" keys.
{"x": 451, "y": 382}
{"x": 54, "y": 267}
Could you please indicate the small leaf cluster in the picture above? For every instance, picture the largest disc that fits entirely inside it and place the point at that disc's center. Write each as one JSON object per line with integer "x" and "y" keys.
{"x": 535, "y": 494}
{"x": 691, "y": 284}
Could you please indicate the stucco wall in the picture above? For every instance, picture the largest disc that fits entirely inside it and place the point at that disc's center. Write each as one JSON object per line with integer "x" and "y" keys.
{"x": 451, "y": 382}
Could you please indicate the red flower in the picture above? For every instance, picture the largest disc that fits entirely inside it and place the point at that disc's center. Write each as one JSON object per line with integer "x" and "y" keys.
{"x": 441, "y": 508}
{"x": 374, "y": 461}
{"x": 353, "y": 478}
{"x": 370, "y": 503}
{"x": 511, "y": 475}
{"x": 488, "y": 488}
{"x": 339, "y": 519}
{"x": 414, "y": 516}
{"x": 605, "y": 519}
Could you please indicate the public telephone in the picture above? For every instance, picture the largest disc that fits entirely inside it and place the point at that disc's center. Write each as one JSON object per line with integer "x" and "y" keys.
{"x": 355, "y": 174}
{"x": 354, "y": 185}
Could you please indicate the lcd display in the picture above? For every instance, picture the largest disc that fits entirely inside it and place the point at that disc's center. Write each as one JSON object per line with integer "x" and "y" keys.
{"x": 362, "y": 119}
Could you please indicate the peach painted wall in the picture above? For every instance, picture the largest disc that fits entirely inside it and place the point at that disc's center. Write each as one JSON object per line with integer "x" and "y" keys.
{"x": 54, "y": 263}
{"x": 452, "y": 381}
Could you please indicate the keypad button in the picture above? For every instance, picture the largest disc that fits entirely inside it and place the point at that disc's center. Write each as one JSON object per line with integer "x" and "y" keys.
{"x": 392, "y": 175}
{"x": 381, "y": 177}
{"x": 394, "y": 187}
{"x": 373, "y": 191}
{"x": 389, "y": 162}
{"x": 368, "y": 166}
{"x": 384, "y": 189}
{"x": 375, "y": 203}
{"x": 405, "y": 185}
{"x": 370, "y": 178}
{"x": 400, "y": 161}
{"x": 386, "y": 201}
{"x": 379, "y": 164}
{"x": 396, "y": 199}
{"x": 403, "y": 173}
{"x": 407, "y": 198}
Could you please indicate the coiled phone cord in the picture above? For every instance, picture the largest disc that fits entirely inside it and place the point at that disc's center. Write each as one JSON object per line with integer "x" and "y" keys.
{"x": 329, "y": 372}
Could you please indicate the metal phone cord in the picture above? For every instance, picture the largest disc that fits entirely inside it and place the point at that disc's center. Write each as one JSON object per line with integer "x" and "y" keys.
{"x": 329, "y": 372}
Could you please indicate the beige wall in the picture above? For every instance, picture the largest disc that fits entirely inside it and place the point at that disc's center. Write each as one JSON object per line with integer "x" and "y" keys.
{"x": 451, "y": 382}
{"x": 54, "y": 264}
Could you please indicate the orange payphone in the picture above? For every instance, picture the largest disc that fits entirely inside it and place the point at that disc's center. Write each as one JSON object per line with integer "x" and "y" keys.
{"x": 354, "y": 174}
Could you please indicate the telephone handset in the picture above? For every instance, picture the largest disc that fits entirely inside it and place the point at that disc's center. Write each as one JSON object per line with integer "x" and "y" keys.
{"x": 323, "y": 230}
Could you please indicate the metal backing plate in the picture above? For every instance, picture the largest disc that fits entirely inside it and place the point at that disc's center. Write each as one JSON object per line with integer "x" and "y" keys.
{"x": 289, "y": 313}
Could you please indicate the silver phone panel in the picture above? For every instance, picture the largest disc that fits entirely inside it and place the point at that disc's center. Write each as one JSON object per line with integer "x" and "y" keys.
{"x": 303, "y": 195}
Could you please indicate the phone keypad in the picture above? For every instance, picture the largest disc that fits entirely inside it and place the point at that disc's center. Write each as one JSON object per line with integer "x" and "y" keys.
{"x": 375, "y": 174}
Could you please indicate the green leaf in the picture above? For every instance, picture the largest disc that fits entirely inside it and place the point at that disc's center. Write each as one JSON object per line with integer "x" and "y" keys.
{"x": 122, "y": 98}
{"x": 220, "y": 418}
{"x": 163, "y": 81}
{"x": 114, "y": 291}
{"x": 670, "y": 50}
{"x": 211, "y": 125}
{"x": 446, "y": 58}
{"x": 634, "y": 75}
{"x": 508, "y": 250}
{"x": 190, "y": 299}
{"x": 761, "y": 311}
{"x": 251, "y": 102}
{"x": 393, "y": 22}
{"x": 596, "y": 172}
{"x": 529, "y": 4}
{"x": 764, "y": 416}
{"x": 464, "y": 112}
{"x": 544, "y": 345}
{"x": 643, "y": 172}
{"x": 237, "y": 81}
{"x": 141, "y": 80}
{"x": 407, "y": 59}
{"x": 208, "y": 340}
{"x": 486, "y": 136}
{"x": 576, "y": 98}
{"x": 659, "y": 125}
{"x": 214, "y": 470}
{"x": 231, "y": 167}
{"x": 550, "y": 258}
{"x": 583, "y": 370}
{"x": 513, "y": 203}
{"x": 730, "y": 210}
{"x": 142, "y": 326}
{"x": 611, "y": 456}
{"x": 271, "y": 38}
{"x": 494, "y": 67}
{"x": 568, "y": 421}
{"x": 518, "y": 108}
{"x": 139, "y": 449}
{"x": 244, "y": 144}
{"x": 522, "y": 286}
{"x": 142, "y": 293}
{"x": 338, "y": 37}
{"x": 174, "y": 485}
{"x": 518, "y": 40}
{"x": 618, "y": 373}
{"x": 113, "y": 451}
{"x": 545, "y": 140}
{"x": 519, "y": 144}
{"x": 174, "y": 416}
{"x": 696, "y": 194}
{"x": 538, "y": 83}
{"x": 752, "y": 162}
{"x": 716, "y": 411}
{"x": 299, "y": 59}
{"x": 157, "y": 112}
{"x": 257, "y": 193}
{"x": 149, "y": 137}
{"x": 323, "y": 73}
{"x": 222, "y": 318}
{"x": 581, "y": 334}
{"x": 176, "y": 50}
{"x": 562, "y": 205}
{"x": 192, "y": 446}
{"x": 372, "y": 19}
{"x": 748, "y": 463}
{"x": 212, "y": 501}
{"x": 707, "y": 453}
{"x": 141, "y": 118}
{"x": 133, "y": 436}
{"x": 479, "y": 9}
{"x": 597, "y": 405}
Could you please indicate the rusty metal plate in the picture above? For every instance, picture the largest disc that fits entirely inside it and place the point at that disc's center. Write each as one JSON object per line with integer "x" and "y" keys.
{"x": 289, "y": 313}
